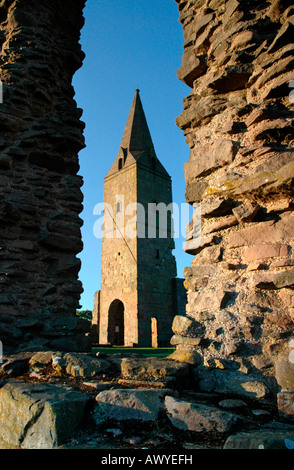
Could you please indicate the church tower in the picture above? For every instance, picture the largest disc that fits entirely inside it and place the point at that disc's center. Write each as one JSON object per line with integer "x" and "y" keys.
{"x": 137, "y": 301}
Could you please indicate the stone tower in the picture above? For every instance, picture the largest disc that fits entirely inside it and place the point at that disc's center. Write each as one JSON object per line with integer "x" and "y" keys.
{"x": 137, "y": 301}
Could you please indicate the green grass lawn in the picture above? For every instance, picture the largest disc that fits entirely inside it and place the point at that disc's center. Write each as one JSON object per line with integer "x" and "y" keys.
{"x": 147, "y": 352}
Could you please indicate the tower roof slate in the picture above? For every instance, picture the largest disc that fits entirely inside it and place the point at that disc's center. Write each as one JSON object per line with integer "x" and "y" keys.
{"x": 136, "y": 144}
{"x": 136, "y": 134}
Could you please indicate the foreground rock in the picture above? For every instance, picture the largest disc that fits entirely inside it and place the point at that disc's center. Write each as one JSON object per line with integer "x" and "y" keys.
{"x": 158, "y": 369}
{"x": 39, "y": 416}
{"x": 131, "y": 404}
{"x": 50, "y": 399}
{"x": 267, "y": 437}
{"x": 58, "y": 363}
{"x": 227, "y": 382}
{"x": 197, "y": 417}
{"x": 79, "y": 365}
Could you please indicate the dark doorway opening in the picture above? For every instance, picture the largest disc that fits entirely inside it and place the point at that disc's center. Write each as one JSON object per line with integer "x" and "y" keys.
{"x": 116, "y": 327}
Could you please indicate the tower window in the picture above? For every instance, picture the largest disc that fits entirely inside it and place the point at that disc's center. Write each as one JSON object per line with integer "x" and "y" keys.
{"x": 120, "y": 163}
{"x": 118, "y": 207}
{"x": 125, "y": 152}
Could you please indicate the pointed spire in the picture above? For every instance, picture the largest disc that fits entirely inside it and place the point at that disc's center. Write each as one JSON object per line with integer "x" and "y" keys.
{"x": 136, "y": 144}
{"x": 136, "y": 134}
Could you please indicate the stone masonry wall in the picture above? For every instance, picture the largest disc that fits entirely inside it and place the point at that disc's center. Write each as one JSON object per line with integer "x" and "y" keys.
{"x": 238, "y": 122}
{"x": 40, "y": 196}
{"x": 156, "y": 262}
{"x": 119, "y": 267}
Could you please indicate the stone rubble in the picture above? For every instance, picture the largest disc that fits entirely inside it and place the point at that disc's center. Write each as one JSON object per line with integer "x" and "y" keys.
{"x": 45, "y": 404}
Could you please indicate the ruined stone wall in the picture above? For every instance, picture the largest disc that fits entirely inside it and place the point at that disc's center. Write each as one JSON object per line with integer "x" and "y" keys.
{"x": 40, "y": 196}
{"x": 238, "y": 122}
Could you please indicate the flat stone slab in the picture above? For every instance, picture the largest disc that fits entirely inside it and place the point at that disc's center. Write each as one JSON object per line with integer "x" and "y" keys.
{"x": 150, "y": 367}
{"x": 39, "y": 416}
{"x": 280, "y": 436}
{"x": 197, "y": 417}
{"x": 83, "y": 365}
{"x": 234, "y": 382}
{"x": 73, "y": 364}
{"x": 232, "y": 404}
{"x": 130, "y": 404}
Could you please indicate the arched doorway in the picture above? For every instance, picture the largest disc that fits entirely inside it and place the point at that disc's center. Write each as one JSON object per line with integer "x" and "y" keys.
{"x": 116, "y": 327}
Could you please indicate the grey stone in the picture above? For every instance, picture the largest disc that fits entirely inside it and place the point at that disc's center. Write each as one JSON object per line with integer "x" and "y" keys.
{"x": 39, "y": 416}
{"x": 245, "y": 212}
{"x": 195, "y": 245}
{"x": 284, "y": 279}
{"x": 195, "y": 191}
{"x": 35, "y": 344}
{"x": 216, "y": 207}
{"x": 285, "y": 374}
{"x": 285, "y": 402}
{"x": 79, "y": 364}
{"x": 276, "y": 437}
{"x": 262, "y": 413}
{"x": 61, "y": 242}
{"x": 187, "y": 353}
{"x": 122, "y": 405}
{"x": 70, "y": 343}
{"x": 115, "y": 432}
{"x": 208, "y": 299}
{"x": 231, "y": 403}
{"x": 197, "y": 417}
{"x": 228, "y": 381}
{"x": 191, "y": 68}
{"x": 41, "y": 359}
{"x": 220, "y": 223}
{"x": 184, "y": 326}
{"x": 184, "y": 340}
{"x": 212, "y": 155}
{"x": 151, "y": 367}
{"x": 211, "y": 254}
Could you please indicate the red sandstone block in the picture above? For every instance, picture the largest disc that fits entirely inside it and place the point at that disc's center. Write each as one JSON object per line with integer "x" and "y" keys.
{"x": 265, "y": 251}
{"x": 263, "y": 233}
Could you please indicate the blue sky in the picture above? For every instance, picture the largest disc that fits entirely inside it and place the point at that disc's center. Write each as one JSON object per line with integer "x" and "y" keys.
{"x": 128, "y": 44}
